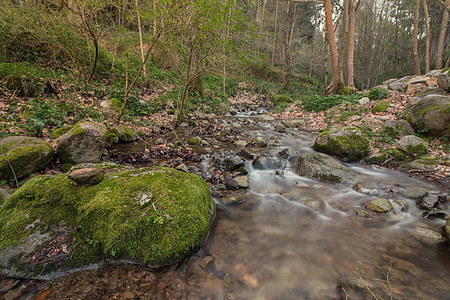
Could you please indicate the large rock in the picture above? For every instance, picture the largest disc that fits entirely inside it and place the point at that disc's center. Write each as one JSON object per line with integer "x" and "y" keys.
{"x": 268, "y": 162}
{"x": 444, "y": 80}
{"x": 84, "y": 143}
{"x": 348, "y": 143}
{"x": 152, "y": 216}
{"x": 398, "y": 128}
{"x": 432, "y": 115}
{"x": 413, "y": 145}
{"x": 25, "y": 154}
{"x": 324, "y": 168}
{"x": 446, "y": 230}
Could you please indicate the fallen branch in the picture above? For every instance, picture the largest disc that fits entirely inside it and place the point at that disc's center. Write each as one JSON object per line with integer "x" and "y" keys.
{"x": 12, "y": 169}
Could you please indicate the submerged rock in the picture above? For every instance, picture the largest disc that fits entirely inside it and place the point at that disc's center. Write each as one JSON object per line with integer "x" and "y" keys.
{"x": 324, "y": 168}
{"x": 84, "y": 143}
{"x": 24, "y": 154}
{"x": 268, "y": 162}
{"x": 152, "y": 216}
{"x": 348, "y": 143}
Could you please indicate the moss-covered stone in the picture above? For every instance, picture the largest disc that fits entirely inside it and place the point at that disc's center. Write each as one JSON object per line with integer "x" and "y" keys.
{"x": 111, "y": 137}
{"x": 283, "y": 98}
{"x": 431, "y": 115}
{"x": 412, "y": 145}
{"x": 381, "y": 107}
{"x": 377, "y": 158}
{"x": 348, "y": 143}
{"x": 194, "y": 141}
{"x": 117, "y": 105}
{"x": 153, "y": 216}
{"x": 397, "y": 154}
{"x": 24, "y": 155}
{"x": 125, "y": 134}
{"x": 60, "y": 131}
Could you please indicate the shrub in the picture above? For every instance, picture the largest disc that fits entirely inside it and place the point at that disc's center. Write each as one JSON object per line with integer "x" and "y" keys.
{"x": 320, "y": 103}
{"x": 378, "y": 93}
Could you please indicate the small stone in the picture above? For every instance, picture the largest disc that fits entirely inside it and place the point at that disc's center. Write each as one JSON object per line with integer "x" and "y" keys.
{"x": 230, "y": 182}
{"x": 159, "y": 141}
{"x": 128, "y": 295}
{"x": 364, "y": 100}
{"x": 87, "y": 175}
{"x": 240, "y": 143}
{"x": 379, "y": 205}
{"x": 182, "y": 167}
{"x": 260, "y": 142}
{"x": 280, "y": 128}
{"x": 301, "y": 184}
{"x": 242, "y": 181}
{"x": 362, "y": 213}
{"x": 206, "y": 261}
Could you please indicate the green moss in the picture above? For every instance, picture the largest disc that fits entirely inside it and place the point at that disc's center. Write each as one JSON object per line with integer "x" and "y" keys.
{"x": 117, "y": 105}
{"x": 377, "y": 159}
{"x": 194, "y": 141}
{"x": 77, "y": 129}
{"x": 126, "y": 134}
{"x": 381, "y": 107}
{"x": 353, "y": 146}
{"x": 60, "y": 131}
{"x": 26, "y": 157}
{"x": 445, "y": 70}
{"x": 345, "y": 90}
{"x": 66, "y": 167}
{"x": 283, "y": 98}
{"x": 418, "y": 149}
{"x": 397, "y": 154}
{"x": 115, "y": 218}
{"x": 328, "y": 178}
{"x": 111, "y": 137}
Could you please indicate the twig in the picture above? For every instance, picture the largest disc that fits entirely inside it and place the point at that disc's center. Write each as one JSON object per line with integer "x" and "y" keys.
{"x": 12, "y": 169}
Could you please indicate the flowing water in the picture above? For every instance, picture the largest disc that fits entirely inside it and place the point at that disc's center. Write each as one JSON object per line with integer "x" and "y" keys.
{"x": 289, "y": 237}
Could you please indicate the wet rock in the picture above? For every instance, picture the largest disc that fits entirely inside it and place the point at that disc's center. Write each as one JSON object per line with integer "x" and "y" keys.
{"x": 233, "y": 163}
{"x": 348, "y": 143}
{"x": 87, "y": 175}
{"x": 413, "y": 145}
{"x": 428, "y": 200}
{"x": 324, "y": 168}
{"x": 206, "y": 261}
{"x": 242, "y": 181}
{"x": 260, "y": 142}
{"x": 84, "y": 143}
{"x": 301, "y": 184}
{"x": 377, "y": 158}
{"x": 24, "y": 154}
{"x": 280, "y": 128}
{"x": 432, "y": 115}
{"x": 245, "y": 154}
{"x": 426, "y": 235}
{"x": 398, "y": 128}
{"x": 435, "y": 214}
{"x": 446, "y": 230}
{"x": 268, "y": 162}
{"x": 380, "y": 205}
{"x": 230, "y": 182}
{"x": 240, "y": 143}
{"x": 423, "y": 163}
{"x": 285, "y": 153}
{"x": 362, "y": 213}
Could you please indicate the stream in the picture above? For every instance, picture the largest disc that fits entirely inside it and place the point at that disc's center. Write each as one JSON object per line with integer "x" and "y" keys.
{"x": 290, "y": 237}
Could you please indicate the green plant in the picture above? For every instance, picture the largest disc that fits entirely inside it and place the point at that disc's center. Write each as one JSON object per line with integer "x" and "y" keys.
{"x": 320, "y": 103}
{"x": 378, "y": 93}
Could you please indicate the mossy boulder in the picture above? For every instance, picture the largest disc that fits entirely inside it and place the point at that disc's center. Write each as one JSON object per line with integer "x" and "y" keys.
{"x": 282, "y": 99}
{"x": 60, "y": 131}
{"x": 377, "y": 158}
{"x": 412, "y": 145}
{"x": 82, "y": 144}
{"x": 348, "y": 143}
{"x": 25, "y": 154}
{"x": 444, "y": 79}
{"x": 381, "y": 107}
{"x": 324, "y": 168}
{"x": 398, "y": 128}
{"x": 431, "y": 115}
{"x": 125, "y": 134}
{"x": 151, "y": 216}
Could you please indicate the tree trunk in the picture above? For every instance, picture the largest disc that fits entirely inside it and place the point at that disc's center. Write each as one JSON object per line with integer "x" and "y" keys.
{"x": 428, "y": 36}
{"x": 332, "y": 47}
{"x": 351, "y": 43}
{"x": 287, "y": 37}
{"x": 140, "y": 40}
{"x": 415, "y": 50}
{"x": 440, "y": 47}
{"x": 275, "y": 33}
